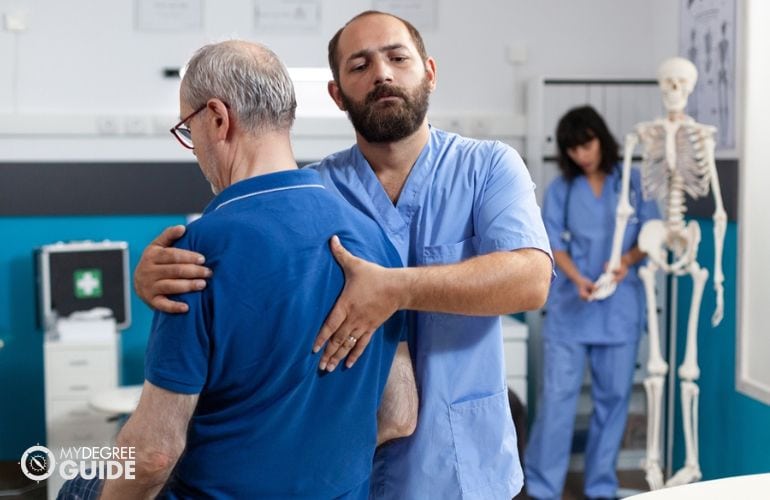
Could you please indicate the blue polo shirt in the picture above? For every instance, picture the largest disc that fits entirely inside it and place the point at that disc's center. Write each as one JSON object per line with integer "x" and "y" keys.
{"x": 463, "y": 198}
{"x": 269, "y": 424}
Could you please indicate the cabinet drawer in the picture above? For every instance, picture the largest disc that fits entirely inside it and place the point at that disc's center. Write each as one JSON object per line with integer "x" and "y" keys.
{"x": 75, "y": 423}
{"x": 70, "y": 423}
{"x": 101, "y": 434}
{"x": 77, "y": 374}
{"x": 73, "y": 412}
{"x": 513, "y": 329}
{"x": 515, "y": 352}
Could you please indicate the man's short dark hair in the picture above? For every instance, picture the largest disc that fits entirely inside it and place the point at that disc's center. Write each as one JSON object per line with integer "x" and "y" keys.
{"x": 334, "y": 63}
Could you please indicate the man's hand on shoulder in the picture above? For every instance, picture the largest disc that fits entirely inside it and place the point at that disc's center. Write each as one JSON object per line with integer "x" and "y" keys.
{"x": 164, "y": 270}
{"x": 370, "y": 296}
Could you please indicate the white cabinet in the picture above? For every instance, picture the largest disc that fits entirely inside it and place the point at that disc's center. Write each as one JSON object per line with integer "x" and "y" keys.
{"x": 73, "y": 372}
{"x": 515, "y": 334}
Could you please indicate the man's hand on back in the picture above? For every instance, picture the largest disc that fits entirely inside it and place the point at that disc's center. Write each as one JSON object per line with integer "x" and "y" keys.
{"x": 368, "y": 299}
{"x": 164, "y": 270}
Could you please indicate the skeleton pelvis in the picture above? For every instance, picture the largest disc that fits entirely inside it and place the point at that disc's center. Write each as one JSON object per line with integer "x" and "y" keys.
{"x": 656, "y": 239}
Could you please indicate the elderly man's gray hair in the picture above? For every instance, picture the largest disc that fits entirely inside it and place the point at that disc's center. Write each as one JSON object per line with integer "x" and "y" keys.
{"x": 248, "y": 77}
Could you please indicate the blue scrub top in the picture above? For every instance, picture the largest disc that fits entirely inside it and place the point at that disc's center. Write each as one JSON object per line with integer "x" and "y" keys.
{"x": 462, "y": 198}
{"x": 269, "y": 424}
{"x": 591, "y": 220}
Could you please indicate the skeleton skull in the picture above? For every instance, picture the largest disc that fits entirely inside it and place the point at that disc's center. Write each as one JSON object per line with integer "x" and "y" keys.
{"x": 676, "y": 78}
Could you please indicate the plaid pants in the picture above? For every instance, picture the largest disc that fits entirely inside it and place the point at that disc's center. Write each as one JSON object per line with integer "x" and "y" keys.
{"x": 80, "y": 489}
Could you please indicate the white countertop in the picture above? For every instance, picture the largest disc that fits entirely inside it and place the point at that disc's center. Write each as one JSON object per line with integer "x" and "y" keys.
{"x": 752, "y": 487}
{"x": 118, "y": 400}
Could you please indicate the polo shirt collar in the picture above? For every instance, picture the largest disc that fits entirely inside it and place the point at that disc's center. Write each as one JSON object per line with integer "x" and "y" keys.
{"x": 262, "y": 184}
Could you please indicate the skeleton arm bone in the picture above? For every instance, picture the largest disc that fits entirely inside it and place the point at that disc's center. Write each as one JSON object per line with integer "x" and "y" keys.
{"x": 605, "y": 285}
{"x": 720, "y": 226}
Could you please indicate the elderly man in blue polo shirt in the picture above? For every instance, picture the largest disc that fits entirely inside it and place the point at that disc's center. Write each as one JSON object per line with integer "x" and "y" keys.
{"x": 234, "y": 383}
{"x": 462, "y": 215}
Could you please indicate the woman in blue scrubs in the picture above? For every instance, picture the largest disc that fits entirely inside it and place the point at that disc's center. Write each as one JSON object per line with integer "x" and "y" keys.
{"x": 579, "y": 214}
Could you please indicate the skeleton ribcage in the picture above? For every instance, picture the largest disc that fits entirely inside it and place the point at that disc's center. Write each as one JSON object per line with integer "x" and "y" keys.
{"x": 690, "y": 172}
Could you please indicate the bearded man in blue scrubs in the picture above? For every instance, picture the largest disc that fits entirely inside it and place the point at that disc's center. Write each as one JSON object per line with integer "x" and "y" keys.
{"x": 233, "y": 402}
{"x": 462, "y": 215}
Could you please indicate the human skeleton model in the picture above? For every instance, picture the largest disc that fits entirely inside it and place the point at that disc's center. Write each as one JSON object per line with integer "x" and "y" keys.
{"x": 677, "y": 158}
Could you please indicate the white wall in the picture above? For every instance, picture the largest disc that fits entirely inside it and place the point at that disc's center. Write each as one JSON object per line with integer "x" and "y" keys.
{"x": 622, "y": 38}
{"x": 753, "y": 346}
{"x": 85, "y": 57}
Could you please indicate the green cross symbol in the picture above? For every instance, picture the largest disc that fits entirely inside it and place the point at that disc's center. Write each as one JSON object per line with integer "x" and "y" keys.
{"x": 88, "y": 283}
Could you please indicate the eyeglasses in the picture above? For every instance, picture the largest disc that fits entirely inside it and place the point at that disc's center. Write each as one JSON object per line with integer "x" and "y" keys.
{"x": 182, "y": 132}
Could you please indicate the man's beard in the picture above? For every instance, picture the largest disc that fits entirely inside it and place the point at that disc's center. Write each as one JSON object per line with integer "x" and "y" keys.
{"x": 391, "y": 121}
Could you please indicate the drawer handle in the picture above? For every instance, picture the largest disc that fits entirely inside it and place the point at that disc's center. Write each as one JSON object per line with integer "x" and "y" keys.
{"x": 79, "y": 362}
{"x": 79, "y": 388}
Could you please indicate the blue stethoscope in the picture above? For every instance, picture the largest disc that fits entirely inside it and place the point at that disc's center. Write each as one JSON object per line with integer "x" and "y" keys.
{"x": 566, "y": 234}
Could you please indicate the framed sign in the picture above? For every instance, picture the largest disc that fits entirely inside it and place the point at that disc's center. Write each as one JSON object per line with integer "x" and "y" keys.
{"x": 707, "y": 38}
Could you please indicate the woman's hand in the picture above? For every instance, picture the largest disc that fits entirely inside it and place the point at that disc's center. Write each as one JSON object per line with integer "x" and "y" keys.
{"x": 621, "y": 271}
{"x": 585, "y": 287}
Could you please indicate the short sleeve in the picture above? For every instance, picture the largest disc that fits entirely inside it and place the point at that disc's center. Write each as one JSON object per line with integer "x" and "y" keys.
{"x": 508, "y": 217}
{"x": 177, "y": 356}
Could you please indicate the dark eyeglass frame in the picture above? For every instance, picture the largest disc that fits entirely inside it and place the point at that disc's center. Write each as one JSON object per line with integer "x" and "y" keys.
{"x": 182, "y": 132}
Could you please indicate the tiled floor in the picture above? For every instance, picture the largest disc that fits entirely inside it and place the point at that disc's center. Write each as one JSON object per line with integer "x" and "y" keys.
{"x": 631, "y": 482}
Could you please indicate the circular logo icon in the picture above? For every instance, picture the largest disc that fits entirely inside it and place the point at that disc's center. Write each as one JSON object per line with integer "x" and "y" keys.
{"x": 37, "y": 463}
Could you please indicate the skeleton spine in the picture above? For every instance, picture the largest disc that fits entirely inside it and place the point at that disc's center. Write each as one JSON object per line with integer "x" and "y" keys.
{"x": 676, "y": 207}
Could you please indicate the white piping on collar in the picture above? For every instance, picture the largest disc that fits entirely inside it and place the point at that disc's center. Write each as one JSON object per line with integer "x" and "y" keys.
{"x": 298, "y": 186}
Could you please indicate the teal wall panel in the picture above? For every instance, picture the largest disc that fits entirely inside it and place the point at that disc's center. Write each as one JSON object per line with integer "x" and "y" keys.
{"x": 22, "y": 421}
{"x": 734, "y": 431}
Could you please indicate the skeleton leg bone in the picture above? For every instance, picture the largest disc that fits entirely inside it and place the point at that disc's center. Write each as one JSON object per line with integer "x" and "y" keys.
{"x": 689, "y": 373}
{"x": 653, "y": 384}
{"x": 690, "y": 472}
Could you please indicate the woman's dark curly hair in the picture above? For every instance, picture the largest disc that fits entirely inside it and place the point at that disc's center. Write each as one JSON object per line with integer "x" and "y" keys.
{"x": 578, "y": 126}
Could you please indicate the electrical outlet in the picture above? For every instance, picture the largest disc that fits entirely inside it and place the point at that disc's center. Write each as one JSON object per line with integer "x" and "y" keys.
{"x": 107, "y": 125}
{"x": 161, "y": 124}
{"x": 455, "y": 125}
{"x": 136, "y": 125}
{"x": 15, "y": 22}
{"x": 479, "y": 127}
{"x": 516, "y": 53}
